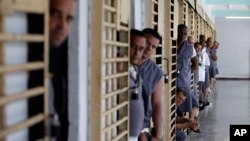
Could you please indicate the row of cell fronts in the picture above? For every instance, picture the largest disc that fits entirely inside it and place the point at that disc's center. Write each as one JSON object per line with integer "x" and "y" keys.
{"x": 34, "y": 75}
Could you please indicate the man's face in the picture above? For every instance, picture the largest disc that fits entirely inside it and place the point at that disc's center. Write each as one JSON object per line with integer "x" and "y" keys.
{"x": 152, "y": 44}
{"x": 62, "y": 13}
{"x": 180, "y": 98}
{"x": 217, "y": 46}
{"x": 209, "y": 42}
{"x": 182, "y": 35}
{"x": 137, "y": 47}
{"x": 198, "y": 48}
{"x": 214, "y": 45}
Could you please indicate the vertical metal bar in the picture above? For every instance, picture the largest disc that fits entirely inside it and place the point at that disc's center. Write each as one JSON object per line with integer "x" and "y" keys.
{"x": 118, "y": 18}
{"x": 46, "y": 68}
{"x": 2, "y": 112}
{"x": 96, "y": 66}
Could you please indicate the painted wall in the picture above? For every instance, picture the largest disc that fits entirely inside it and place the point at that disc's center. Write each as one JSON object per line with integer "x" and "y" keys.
{"x": 138, "y": 14}
{"x": 78, "y": 74}
{"x": 16, "y": 53}
{"x": 234, "y": 50}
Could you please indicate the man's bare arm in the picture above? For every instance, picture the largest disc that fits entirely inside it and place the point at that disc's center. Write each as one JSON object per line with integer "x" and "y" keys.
{"x": 195, "y": 63}
{"x": 157, "y": 107}
{"x": 182, "y": 120}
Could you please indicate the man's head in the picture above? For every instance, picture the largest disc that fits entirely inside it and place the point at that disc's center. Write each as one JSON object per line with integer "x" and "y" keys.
{"x": 209, "y": 42}
{"x": 217, "y": 46}
{"x": 180, "y": 97}
{"x": 190, "y": 39}
{"x": 214, "y": 44}
{"x": 62, "y": 13}
{"x": 153, "y": 40}
{"x": 202, "y": 40}
{"x": 137, "y": 46}
{"x": 182, "y": 33}
{"x": 197, "y": 47}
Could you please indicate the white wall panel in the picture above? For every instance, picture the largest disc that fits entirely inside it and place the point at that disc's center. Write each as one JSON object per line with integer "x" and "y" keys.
{"x": 234, "y": 50}
{"x": 16, "y": 53}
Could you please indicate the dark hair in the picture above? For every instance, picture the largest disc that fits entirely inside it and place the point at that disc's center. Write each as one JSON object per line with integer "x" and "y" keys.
{"x": 202, "y": 37}
{"x": 135, "y": 32}
{"x": 180, "y": 90}
{"x": 152, "y": 32}
{"x": 197, "y": 43}
{"x": 180, "y": 27}
{"x": 209, "y": 38}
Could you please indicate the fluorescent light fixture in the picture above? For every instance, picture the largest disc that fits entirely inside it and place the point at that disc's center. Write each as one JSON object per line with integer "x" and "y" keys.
{"x": 237, "y": 17}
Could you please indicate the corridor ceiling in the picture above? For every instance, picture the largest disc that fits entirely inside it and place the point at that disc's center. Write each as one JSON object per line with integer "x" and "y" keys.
{"x": 228, "y": 8}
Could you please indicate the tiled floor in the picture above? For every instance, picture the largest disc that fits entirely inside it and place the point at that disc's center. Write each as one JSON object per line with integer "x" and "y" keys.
{"x": 230, "y": 105}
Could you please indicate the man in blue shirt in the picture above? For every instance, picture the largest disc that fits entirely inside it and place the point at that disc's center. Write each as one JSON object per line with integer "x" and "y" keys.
{"x": 152, "y": 87}
{"x": 136, "y": 116}
{"x": 182, "y": 123}
{"x": 185, "y": 63}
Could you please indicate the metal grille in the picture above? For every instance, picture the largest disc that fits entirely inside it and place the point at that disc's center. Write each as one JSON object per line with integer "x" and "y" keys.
{"x": 191, "y": 17}
{"x": 183, "y": 12}
{"x": 157, "y": 25}
{"x": 170, "y": 55}
{"x": 173, "y": 70}
{"x": 197, "y": 26}
{"x": 115, "y": 111}
{"x": 7, "y": 9}
{"x": 109, "y": 87}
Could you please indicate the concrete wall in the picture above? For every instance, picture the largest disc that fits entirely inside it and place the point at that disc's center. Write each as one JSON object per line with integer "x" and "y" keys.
{"x": 78, "y": 74}
{"x": 137, "y": 14}
{"x": 234, "y": 50}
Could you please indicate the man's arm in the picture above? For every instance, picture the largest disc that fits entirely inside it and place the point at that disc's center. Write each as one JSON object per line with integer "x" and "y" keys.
{"x": 186, "y": 125}
{"x": 195, "y": 63}
{"x": 157, "y": 108}
{"x": 214, "y": 57}
{"x": 182, "y": 120}
{"x": 183, "y": 123}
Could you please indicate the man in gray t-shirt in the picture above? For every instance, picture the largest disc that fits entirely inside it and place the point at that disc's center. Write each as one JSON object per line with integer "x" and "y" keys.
{"x": 137, "y": 46}
{"x": 185, "y": 63}
{"x": 152, "y": 87}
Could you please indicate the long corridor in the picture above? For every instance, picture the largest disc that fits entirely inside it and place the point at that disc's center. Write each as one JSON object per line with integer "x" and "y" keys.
{"x": 230, "y": 105}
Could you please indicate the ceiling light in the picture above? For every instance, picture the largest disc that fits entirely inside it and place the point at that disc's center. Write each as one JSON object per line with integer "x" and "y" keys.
{"x": 237, "y": 17}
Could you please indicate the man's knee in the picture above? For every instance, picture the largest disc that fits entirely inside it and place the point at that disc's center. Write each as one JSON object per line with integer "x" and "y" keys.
{"x": 194, "y": 102}
{"x": 180, "y": 135}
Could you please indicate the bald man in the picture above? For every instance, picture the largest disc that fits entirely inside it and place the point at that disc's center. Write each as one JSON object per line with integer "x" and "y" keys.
{"x": 190, "y": 40}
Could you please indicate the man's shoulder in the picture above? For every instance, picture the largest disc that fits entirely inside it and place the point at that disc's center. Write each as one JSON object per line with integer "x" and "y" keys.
{"x": 157, "y": 70}
{"x": 151, "y": 69}
{"x": 188, "y": 45}
{"x": 187, "y": 49}
{"x": 154, "y": 65}
{"x": 149, "y": 64}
